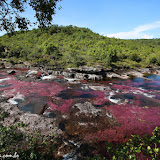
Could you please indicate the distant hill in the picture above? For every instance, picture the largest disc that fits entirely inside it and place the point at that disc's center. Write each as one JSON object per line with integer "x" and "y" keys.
{"x": 72, "y": 46}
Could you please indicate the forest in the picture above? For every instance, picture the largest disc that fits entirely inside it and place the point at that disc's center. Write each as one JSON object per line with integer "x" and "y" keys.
{"x": 71, "y": 46}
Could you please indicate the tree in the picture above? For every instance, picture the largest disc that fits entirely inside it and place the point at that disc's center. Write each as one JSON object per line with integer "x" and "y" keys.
{"x": 11, "y": 13}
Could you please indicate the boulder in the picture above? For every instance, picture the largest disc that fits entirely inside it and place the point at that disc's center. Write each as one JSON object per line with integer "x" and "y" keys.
{"x": 89, "y": 110}
{"x": 32, "y": 121}
{"x": 31, "y": 72}
{"x": 95, "y": 77}
{"x": 11, "y": 71}
{"x": 50, "y": 77}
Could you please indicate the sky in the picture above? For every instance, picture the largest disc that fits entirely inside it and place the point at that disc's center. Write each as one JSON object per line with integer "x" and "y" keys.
{"x": 125, "y": 19}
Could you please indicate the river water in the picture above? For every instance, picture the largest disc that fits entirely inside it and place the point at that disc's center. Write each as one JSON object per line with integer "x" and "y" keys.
{"x": 132, "y": 106}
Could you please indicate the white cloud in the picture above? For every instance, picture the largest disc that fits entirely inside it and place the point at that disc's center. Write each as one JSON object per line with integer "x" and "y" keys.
{"x": 146, "y": 36}
{"x": 137, "y": 33}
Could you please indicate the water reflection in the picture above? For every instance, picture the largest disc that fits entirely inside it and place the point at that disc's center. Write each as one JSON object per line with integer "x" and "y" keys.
{"x": 154, "y": 77}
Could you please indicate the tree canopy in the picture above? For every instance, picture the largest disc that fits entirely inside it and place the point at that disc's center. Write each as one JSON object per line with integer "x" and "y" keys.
{"x": 12, "y": 13}
{"x": 71, "y": 46}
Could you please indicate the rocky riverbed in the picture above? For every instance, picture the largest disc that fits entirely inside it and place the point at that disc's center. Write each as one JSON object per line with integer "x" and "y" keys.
{"x": 84, "y": 106}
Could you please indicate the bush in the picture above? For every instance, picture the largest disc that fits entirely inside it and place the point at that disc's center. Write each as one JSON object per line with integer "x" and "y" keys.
{"x": 137, "y": 147}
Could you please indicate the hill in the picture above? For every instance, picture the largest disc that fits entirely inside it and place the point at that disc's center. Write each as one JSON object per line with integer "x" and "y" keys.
{"x": 71, "y": 46}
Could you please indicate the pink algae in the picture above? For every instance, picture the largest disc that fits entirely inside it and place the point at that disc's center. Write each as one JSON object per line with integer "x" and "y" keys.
{"x": 36, "y": 89}
{"x": 132, "y": 116}
{"x": 131, "y": 120}
{"x": 63, "y": 106}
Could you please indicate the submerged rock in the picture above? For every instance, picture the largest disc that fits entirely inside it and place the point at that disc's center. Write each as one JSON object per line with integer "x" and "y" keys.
{"x": 84, "y": 119}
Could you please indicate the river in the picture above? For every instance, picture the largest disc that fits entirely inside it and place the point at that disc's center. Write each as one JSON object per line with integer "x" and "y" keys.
{"x": 109, "y": 110}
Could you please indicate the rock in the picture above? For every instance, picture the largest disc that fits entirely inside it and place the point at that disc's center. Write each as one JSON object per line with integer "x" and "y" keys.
{"x": 68, "y": 75}
{"x": 34, "y": 107}
{"x": 50, "y": 77}
{"x": 71, "y": 80}
{"x": 100, "y": 88}
{"x": 95, "y": 77}
{"x": 27, "y": 63}
{"x": 8, "y": 65}
{"x": 31, "y": 72}
{"x": 112, "y": 75}
{"x": 11, "y": 71}
{"x": 3, "y": 99}
{"x": 96, "y": 88}
{"x": 33, "y": 121}
{"x": 124, "y": 76}
{"x": 144, "y": 70}
{"x": 49, "y": 72}
{"x": 158, "y": 72}
{"x": 88, "y": 109}
{"x": 57, "y": 72}
{"x": 81, "y": 76}
{"x": 84, "y": 119}
{"x": 4, "y": 79}
{"x": 85, "y": 87}
{"x": 21, "y": 65}
{"x": 90, "y": 69}
{"x": 135, "y": 73}
{"x": 49, "y": 114}
{"x": 20, "y": 62}
{"x": 16, "y": 97}
{"x": 85, "y": 73}
{"x": 4, "y": 60}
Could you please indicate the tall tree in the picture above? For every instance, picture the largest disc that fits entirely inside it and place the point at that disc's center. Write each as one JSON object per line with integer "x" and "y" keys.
{"x": 11, "y": 16}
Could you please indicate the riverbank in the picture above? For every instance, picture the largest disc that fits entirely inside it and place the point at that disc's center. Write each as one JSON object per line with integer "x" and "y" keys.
{"x": 82, "y": 73}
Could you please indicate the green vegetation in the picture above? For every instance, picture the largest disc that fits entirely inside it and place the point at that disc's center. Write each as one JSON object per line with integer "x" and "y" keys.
{"x": 136, "y": 148}
{"x": 71, "y": 46}
{"x": 11, "y": 16}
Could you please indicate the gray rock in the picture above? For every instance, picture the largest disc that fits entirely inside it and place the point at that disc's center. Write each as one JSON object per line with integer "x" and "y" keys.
{"x": 95, "y": 77}
{"x": 11, "y": 71}
{"x": 89, "y": 110}
{"x": 33, "y": 121}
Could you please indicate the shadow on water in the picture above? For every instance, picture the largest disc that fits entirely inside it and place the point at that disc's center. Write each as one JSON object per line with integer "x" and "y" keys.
{"x": 71, "y": 94}
{"x": 34, "y": 106}
{"x": 137, "y": 79}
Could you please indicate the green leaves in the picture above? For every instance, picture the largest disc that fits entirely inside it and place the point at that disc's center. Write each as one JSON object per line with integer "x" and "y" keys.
{"x": 71, "y": 46}
{"x": 147, "y": 146}
{"x": 11, "y": 17}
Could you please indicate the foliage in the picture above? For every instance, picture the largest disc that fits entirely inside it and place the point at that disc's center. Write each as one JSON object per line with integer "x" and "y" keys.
{"x": 137, "y": 147}
{"x": 146, "y": 147}
{"x": 71, "y": 46}
{"x": 11, "y": 16}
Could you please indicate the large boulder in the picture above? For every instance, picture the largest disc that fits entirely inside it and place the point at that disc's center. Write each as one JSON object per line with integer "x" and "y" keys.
{"x": 32, "y": 121}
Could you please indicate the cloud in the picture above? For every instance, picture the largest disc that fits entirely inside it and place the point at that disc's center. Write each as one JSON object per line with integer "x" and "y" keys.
{"x": 137, "y": 33}
{"x": 146, "y": 36}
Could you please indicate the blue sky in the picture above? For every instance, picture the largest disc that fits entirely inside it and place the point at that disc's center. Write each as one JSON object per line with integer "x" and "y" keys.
{"x": 126, "y": 19}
